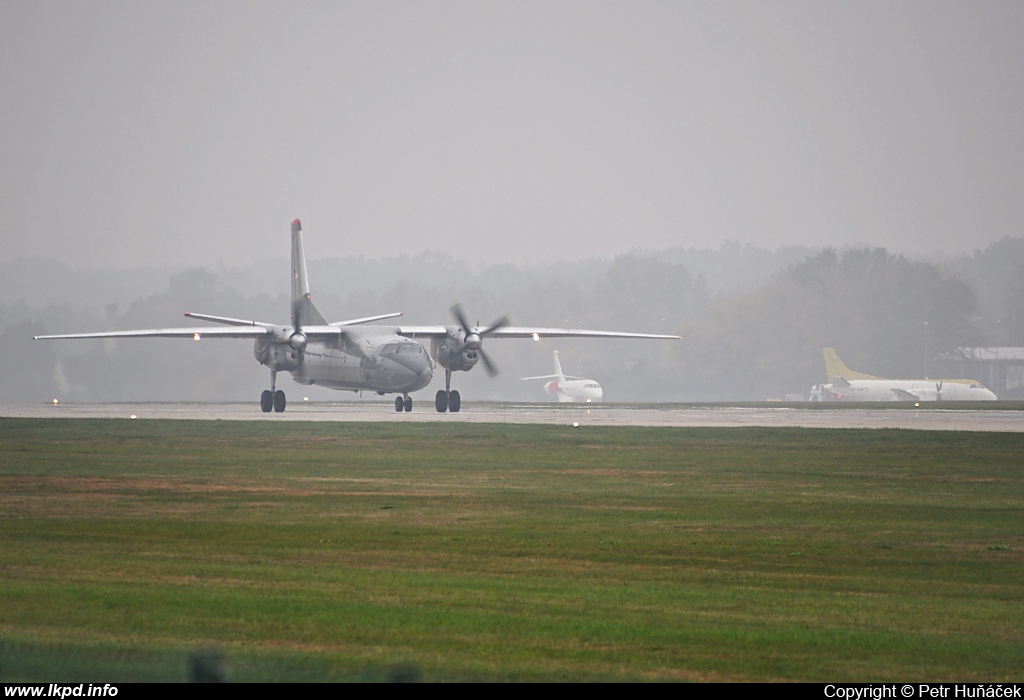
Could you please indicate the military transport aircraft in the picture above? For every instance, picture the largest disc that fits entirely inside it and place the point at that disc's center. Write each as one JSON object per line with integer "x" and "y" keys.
{"x": 570, "y": 389}
{"x": 350, "y": 356}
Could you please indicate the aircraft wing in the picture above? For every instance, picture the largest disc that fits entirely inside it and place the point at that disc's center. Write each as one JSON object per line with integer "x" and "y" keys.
{"x": 324, "y": 332}
{"x": 534, "y": 332}
{"x": 529, "y": 332}
{"x": 194, "y": 333}
{"x": 904, "y": 395}
{"x": 546, "y": 376}
{"x": 247, "y": 331}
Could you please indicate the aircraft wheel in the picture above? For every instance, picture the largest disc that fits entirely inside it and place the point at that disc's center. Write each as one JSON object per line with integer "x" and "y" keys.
{"x": 408, "y": 404}
{"x": 267, "y": 401}
{"x": 399, "y": 404}
{"x": 454, "y": 402}
{"x": 441, "y": 401}
{"x": 279, "y": 401}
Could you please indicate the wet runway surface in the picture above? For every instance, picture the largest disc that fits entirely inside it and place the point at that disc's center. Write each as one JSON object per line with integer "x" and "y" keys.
{"x": 554, "y": 414}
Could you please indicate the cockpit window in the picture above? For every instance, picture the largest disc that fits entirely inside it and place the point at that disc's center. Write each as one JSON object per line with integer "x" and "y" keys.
{"x": 402, "y": 348}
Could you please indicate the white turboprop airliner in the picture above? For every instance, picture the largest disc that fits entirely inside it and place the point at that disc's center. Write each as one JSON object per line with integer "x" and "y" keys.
{"x": 848, "y": 385}
{"x": 570, "y": 389}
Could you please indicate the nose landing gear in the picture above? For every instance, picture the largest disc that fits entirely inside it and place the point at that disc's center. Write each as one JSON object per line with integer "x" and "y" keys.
{"x": 403, "y": 403}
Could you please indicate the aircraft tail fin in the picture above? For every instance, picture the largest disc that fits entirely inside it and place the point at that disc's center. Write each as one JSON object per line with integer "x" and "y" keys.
{"x": 558, "y": 368}
{"x": 834, "y": 367}
{"x": 303, "y": 311}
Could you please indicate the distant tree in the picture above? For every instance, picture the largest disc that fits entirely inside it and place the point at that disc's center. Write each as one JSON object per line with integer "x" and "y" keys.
{"x": 647, "y": 295}
{"x": 997, "y": 273}
{"x": 883, "y": 313}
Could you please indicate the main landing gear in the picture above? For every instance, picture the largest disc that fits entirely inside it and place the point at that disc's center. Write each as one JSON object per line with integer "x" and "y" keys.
{"x": 403, "y": 403}
{"x": 271, "y": 400}
{"x": 446, "y": 399}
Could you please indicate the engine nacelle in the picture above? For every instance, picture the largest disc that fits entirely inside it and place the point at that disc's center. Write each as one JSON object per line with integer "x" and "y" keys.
{"x": 453, "y": 354}
{"x": 281, "y": 357}
{"x": 552, "y": 387}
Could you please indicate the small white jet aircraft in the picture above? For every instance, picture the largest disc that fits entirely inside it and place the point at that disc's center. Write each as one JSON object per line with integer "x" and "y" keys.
{"x": 848, "y": 385}
{"x": 350, "y": 356}
{"x": 570, "y": 389}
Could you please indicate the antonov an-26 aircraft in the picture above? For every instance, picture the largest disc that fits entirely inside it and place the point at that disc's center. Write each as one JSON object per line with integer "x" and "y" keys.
{"x": 350, "y": 356}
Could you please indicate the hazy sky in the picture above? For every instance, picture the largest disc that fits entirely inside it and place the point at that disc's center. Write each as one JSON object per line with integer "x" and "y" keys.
{"x": 138, "y": 133}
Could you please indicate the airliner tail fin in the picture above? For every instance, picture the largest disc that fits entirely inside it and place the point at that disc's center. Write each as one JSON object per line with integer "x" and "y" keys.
{"x": 834, "y": 367}
{"x": 558, "y": 368}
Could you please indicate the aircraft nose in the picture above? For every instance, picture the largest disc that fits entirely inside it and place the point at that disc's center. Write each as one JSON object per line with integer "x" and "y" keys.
{"x": 424, "y": 370}
{"x": 422, "y": 367}
{"x": 414, "y": 368}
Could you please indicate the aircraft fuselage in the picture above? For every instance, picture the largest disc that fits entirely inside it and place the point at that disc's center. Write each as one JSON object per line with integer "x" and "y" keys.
{"x": 373, "y": 361}
{"x": 902, "y": 390}
{"x": 575, "y": 390}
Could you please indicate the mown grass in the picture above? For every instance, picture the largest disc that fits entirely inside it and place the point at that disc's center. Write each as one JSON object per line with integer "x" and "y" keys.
{"x": 343, "y": 551}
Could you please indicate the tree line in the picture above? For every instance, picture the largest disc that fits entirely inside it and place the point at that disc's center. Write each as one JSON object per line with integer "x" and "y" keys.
{"x": 754, "y": 333}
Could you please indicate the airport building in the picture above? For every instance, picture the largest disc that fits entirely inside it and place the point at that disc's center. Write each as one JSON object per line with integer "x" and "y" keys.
{"x": 1001, "y": 369}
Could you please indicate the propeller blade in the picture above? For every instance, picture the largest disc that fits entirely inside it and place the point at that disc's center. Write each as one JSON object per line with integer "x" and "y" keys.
{"x": 489, "y": 367}
{"x": 474, "y": 339}
{"x": 460, "y": 317}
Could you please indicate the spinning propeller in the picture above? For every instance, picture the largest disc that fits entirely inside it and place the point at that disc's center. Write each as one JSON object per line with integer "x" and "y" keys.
{"x": 474, "y": 339}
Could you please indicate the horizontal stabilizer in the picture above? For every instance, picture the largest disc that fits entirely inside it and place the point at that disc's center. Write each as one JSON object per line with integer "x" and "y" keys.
{"x": 228, "y": 321}
{"x": 366, "y": 319}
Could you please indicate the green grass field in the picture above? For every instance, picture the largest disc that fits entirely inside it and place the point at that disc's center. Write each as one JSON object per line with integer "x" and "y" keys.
{"x": 346, "y": 551}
